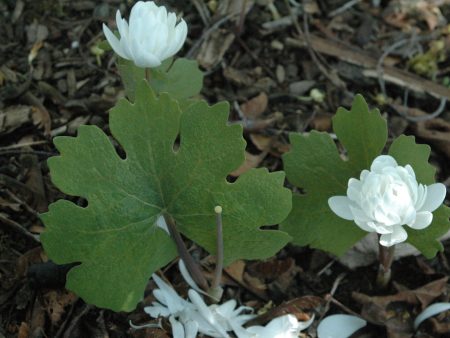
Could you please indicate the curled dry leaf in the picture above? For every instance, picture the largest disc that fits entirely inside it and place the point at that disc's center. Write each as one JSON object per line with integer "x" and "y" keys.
{"x": 299, "y": 307}
{"x": 56, "y": 301}
{"x": 251, "y": 161}
{"x": 394, "y": 311}
{"x": 214, "y": 48}
{"x": 256, "y": 106}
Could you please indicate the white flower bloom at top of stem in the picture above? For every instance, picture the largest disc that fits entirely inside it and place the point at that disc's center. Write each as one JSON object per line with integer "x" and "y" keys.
{"x": 386, "y": 198}
{"x": 151, "y": 36}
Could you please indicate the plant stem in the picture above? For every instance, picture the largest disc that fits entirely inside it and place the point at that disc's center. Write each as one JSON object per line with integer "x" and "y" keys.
{"x": 148, "y": 74}
{"x": 216, "y": 290}
{"x": 386, "y": 256}
{"x": 192, "y": 266}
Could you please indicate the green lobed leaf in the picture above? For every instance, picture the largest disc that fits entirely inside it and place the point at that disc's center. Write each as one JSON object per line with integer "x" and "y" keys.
{"x": 362, "y": 132}
{"x": 406, "y": 151}
{"x": 182, "y": 79}
{"x": 315, "y": 165}
{"x": 115, "y": 238}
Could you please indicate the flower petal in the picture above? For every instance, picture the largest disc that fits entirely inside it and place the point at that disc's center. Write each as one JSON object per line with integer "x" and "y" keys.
{"x": 423, "y": 219}
{"x": 177, "y": 328}
{"x": 191, "y": 329}
{"x": 397, "y": 236}
{"x": 340, "y": 205}
{"x": 161, "y": 223}
{"x": 145, "y": 59}
{"x": 339, "y": 326}
{"x": 114, "y": 42}
{"x": 381, "y": 162}
{"x": 435, "y": 196}
{"x": 430, "y": 311}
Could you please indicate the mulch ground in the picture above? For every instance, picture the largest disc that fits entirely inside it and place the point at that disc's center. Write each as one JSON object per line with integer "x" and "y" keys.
{"x": 284, "y": 66}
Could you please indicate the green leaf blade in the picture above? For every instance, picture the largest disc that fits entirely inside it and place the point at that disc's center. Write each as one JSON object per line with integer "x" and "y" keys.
{"x": 362, "y": 132}
{"x": 181, "y": 79}
{"x": 315, "y": 166}
{"x": 115, "y": 237}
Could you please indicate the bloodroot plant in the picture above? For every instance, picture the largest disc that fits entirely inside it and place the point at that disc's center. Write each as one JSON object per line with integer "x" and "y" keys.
{"x": 178, "y": 153}
{"x": 393, "y": 195}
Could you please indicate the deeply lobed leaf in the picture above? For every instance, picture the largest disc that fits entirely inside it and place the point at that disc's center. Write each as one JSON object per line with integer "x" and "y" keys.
{"x": 115, "y": 238}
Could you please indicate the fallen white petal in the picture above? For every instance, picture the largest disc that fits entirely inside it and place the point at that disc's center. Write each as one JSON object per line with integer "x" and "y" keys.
{"x": 430, "y": 311}
{"x": 339, "y": 326}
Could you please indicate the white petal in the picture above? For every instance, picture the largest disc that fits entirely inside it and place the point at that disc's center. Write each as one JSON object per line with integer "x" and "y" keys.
{"x": 399, "y": 235}
{"x": 206, "y": 312}
{"x": 187, "y": 277}
{"x": 113, "y": 42}
{"x": 381, "y": 162}
{"x": 340, "y": 205}
{"x": 430, "y": 311}
{"x": 339, "y": 326}
{"x": 120, "y": 23}
{"x": 423, "y": 219}
{"x": 177, "y": 328}
{"x": 156, "y": 310}
{"x": 191, "y": 329}
{"x": 145, "y": 59}
{"x": 435, "y": 196}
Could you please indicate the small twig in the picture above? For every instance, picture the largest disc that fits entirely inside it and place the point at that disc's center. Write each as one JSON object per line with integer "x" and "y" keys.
{"x": 314, "y": 56}
{"x": 202, "y": 11}
{"x": 240, "y": 25}
{"x": 207, "y": 33}
{"x": 343, "y": 8}
{"x": 428, "y": 117}
{"x": 325, "y": 268}
{"x": 31, "y": 152}
{"x": 191, "y": 265}
{"x": 18, "y": 228}
{"x": 255, "y": 58}
{"x": 23, "y": 203}
{"x": 343, "y": 307}
{"x": 76, "y": 319}
{"x": 23, "y": 145}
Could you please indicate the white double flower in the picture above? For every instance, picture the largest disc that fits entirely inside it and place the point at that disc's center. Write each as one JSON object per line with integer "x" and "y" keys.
{"x": 151, "y": 36}
{"x": 386, "y": 198}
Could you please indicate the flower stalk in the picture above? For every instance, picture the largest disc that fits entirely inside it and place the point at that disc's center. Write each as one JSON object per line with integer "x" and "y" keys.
{"x": 192, "y": 266}
{"x": 386, "y": 257}
{"x": 216, "y": 290}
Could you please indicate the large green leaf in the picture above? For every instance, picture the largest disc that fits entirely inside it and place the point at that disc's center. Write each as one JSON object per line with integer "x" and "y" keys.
{"x": 182, "y": 79}
{"x": 114, "y": 237}
{"x": 406, "y": 151}
{"x": 314, "y": 165}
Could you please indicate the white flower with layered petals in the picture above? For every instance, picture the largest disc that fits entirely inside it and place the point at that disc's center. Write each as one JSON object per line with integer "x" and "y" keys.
{"x": 151, "y": 36}
{"x": 386, "y": 198}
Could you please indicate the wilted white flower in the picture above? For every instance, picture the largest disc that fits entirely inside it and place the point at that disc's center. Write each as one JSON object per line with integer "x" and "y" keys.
{"x": 286, "y": 326}
{"x": 151, "y": 36}
{"x": 386, "y": 198}
{"x": 170, "y": 304}
{"x": 189, "y": 318}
